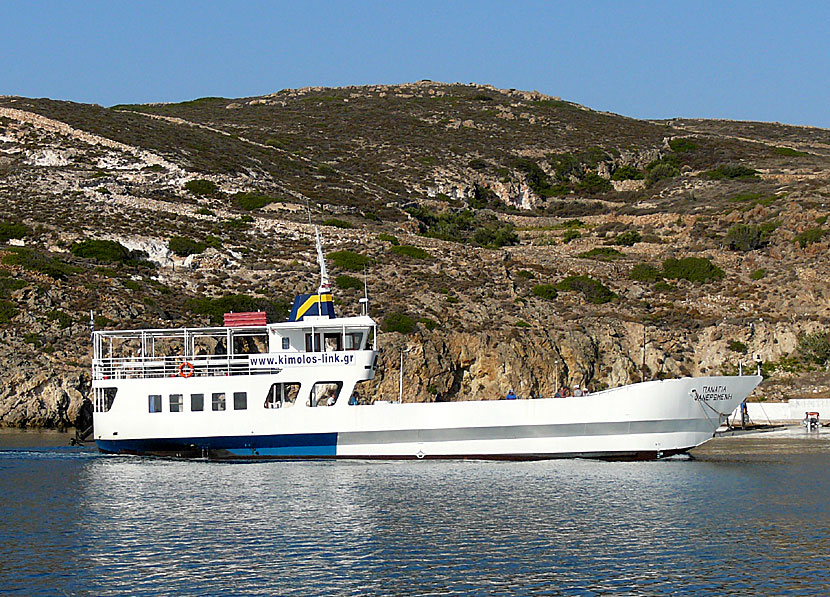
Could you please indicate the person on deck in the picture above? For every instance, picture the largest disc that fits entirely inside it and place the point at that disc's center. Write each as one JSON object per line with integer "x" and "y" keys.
{"x": 577, "y": 391}
{"x": 511, "y": 395}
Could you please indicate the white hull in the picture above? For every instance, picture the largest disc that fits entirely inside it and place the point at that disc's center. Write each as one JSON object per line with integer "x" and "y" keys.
{"x": 645, "y": 420}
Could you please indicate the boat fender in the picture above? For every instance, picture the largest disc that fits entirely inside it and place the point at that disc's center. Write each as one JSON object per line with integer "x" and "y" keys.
{"x": 186, "y": 369}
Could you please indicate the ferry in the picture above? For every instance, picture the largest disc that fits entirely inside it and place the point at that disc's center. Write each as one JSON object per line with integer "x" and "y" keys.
{"x": 290, "y": 390}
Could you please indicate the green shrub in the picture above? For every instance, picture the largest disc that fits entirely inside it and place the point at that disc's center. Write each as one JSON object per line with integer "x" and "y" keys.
{"x": 388, "y": 238}
{"x": 183, "y": 246}
{"x": 410, "y": 251}
{"x": 809, "y": 236}
{"x": 336, "y": 223}
{"x": 661, "y": 171}
{"x": 682, "y": 145}
{"x": 521, "y": 323}
{"x": 602, "y": 253}
{"x": 399, "y": 322}
{"x": 10, "y": 230}
{"x": 64, "y": 319}
{"x": 39, "y": 262}
{"x": 815, "y": 347}
{"x": 594, "y": 183}
{"x": 535, "y": 177}
{"x": 132, "y": 285}
{"x": 545, "y": 291}
{"x": 627, "y": 173}
{"x": 594, "y": 291}
{"x": 428, "y": 323}
{"x": 215, "y": 308}
{"x": 251, "y": 201}
{"x": 7, "y": 310}
{"x": 201, "y": 186}
{"x": 645, "y": 272}
{"x": 628, "y": 238}
{"x": 758, "y": 274}
{"x": 493, "y": 237}
{"x": 663, "y": 286}
{"x": 523, "y": 273}
{"x": 345, "y": 282}
{"x": 737, "y": 346}
{"x": 821, "y": 220}
{"x": 106, "y": 251}
{"x": 790, "y": 152}
{"x": 569, "y": 224}
{"x": 348, "y": 260}
{"x": 694, "y": 269}
{"x": 732, "y": 171}
{"x": 477, "y": 164}
{"x": 204, "y": 211}
{"x": 743, "y": 237}
{"x": 9, "y": 284}
{"x": 570, "y": 235}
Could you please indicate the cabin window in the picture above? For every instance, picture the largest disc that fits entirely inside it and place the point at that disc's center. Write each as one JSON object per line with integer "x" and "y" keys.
{"x": 286, "y": 343}
{"x": 197, "y": 402}
{"x": 218, "y": 401}
{"x": 281, "y": 395}
{"x": 155, "y": 403}
{"x": 331, "y": 342}
{"x": 240, "y": 400}
{"x": 308, "y": 346}
{"x": 325, "y": 393}
{"x": 104, "y": 397}
{"x": 354, "y": 341}
{"x": 176, "y": 403}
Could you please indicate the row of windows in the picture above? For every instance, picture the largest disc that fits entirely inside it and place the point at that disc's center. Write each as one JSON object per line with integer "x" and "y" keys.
{"x": 197, "y": 402}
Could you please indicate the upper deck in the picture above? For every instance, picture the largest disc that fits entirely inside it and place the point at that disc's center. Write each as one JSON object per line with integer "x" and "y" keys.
{"x": 221, "y": 351}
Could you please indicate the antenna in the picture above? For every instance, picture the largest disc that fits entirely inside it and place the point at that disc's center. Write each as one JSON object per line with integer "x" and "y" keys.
{"x": 364, "y": 302}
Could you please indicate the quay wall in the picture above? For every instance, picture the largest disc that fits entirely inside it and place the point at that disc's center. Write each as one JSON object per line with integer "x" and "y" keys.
{"x": 785, "y": 412}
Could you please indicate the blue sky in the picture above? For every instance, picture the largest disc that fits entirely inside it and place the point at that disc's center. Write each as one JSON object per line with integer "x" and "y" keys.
{"x": 743, "y": 60}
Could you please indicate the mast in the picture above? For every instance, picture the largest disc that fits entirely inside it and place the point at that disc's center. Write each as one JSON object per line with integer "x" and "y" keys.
{"x": 325, "y": 286}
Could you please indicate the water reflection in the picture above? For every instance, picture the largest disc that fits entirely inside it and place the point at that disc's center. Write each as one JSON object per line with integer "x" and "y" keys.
{"x": 100, "y": 525}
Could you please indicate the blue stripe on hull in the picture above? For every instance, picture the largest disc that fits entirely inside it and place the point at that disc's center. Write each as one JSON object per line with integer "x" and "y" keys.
{"x": 293, "y": 445}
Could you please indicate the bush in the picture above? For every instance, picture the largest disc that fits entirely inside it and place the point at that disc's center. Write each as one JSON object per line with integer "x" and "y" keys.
{"x": 338, "y": 223}
{"x": 743, "y": 237}
{"x": 682, "y": 145}
{"x": 64, "y": 319}
{"x": 628, "y": 238}
{"x": 39, "y": 262}
{"x": 200, "y": 186}
{"x": 183, "y": 246}
{"x": 410, "y": 251}
{"x": 731, "y": 171}
{"x": 106, "y": 251}
{"x": 388, "y": 238}
{"x": 737, "y": 346}
{"x": 523, "y": 273}
{"x": 758, "y": 274}
{"x": 204, "y": 211}
{"x": 815, "y": 347}
{"x": 495, "y": 237}
{"x": 428, "y": 323}
{"x": 790, "y": 152}
{"x": 645, "y": 272}
{"x": 545, "y": 291}
{"x": 477, "y": 164}
{"x": 345, "y": 282}
{"x": 10, "y": 230}
{"x": 348, "y": 260}
{"x": 215, "y": 308}
{"x": 251, "y": 201}
{"x": 627, "y": 173}
{"x": 594, "y": 183}
{"x": 7, "y": 311}
{"x": 399, "y": 322}
{"x": 661, "y": 171}
{"x": 694, "y": 269}
{"x": 570, "y": 235}
{"x": 602, "y": 253}
{"x": 809, "y": 236}
{"x": 594, "y": 291}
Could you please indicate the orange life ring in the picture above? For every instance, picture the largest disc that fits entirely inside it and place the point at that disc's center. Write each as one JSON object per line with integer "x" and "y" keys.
{"x": 186, "y": 369}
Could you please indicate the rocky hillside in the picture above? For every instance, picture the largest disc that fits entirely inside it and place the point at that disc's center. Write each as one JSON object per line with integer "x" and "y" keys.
{"x": 511, "y": 239}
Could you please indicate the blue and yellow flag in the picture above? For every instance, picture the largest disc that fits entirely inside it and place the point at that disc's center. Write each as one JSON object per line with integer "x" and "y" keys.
{"x": 312, "y": 304}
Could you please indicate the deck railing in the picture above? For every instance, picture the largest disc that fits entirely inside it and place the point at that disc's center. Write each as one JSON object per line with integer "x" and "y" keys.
{"x": 175, "y": 366}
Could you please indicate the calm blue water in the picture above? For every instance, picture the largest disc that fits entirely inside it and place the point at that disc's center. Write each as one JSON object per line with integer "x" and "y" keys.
{"x": 747, "y": 516}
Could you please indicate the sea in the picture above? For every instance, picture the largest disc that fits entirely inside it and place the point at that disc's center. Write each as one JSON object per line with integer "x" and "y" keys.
{"x": 745, "y": 515}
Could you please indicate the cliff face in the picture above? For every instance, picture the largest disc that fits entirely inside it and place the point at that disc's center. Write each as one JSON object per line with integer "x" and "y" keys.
{"x": 525, "y": 242}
